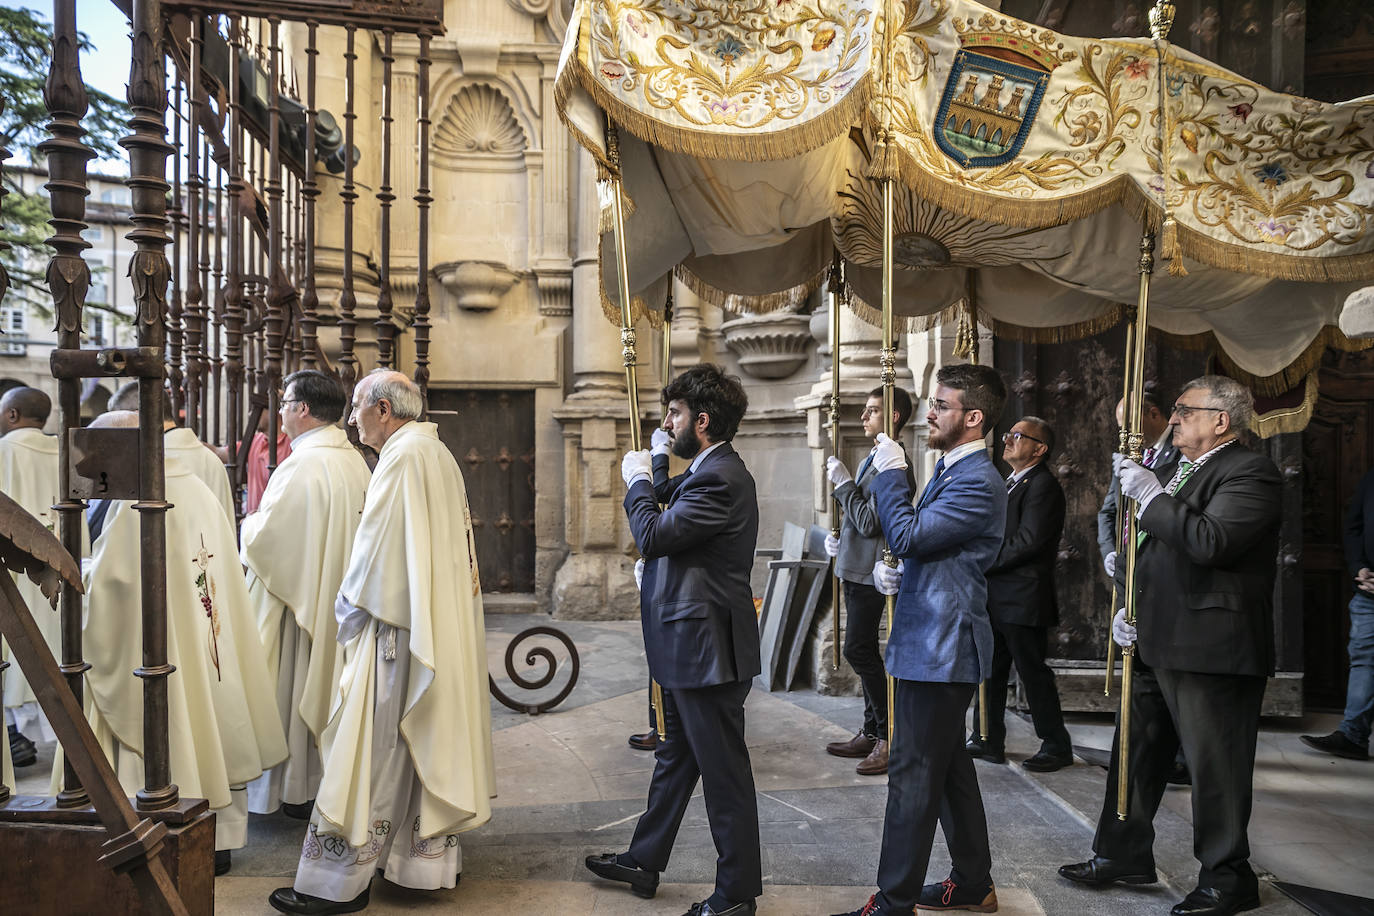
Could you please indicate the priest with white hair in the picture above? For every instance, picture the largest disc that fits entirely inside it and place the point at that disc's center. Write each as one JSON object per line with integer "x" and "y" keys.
{"x": 295, "y": 548}
{"x": 222, "y": 717}
{"x": 29, "y": 474}
{"x": 407, "y": 753}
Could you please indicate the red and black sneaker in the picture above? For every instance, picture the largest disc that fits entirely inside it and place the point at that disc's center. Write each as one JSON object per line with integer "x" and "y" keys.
{"x": 950, "y": 896}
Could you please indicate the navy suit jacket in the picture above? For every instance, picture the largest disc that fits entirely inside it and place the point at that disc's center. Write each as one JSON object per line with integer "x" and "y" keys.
{"x": 941, "y": 632}
{"x": 1021, "y": 581}
{"x": 695, "y": 602}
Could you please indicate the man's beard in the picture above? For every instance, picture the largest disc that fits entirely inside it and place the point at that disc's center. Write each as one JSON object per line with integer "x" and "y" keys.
{"x": 687, "y": 444}
{"x": 937, "y": 439}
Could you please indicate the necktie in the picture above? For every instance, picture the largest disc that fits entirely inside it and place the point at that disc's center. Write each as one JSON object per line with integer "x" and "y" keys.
{"x": 863, "y": 468}
{"x": 939, "y": 469}
{"x": 1150, "y": 453}
{"x": 1011, "y": 483}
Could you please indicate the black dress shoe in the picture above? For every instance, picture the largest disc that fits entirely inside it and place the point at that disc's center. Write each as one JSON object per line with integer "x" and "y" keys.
{"x": 1208, "y": 901}
{"x": 289, "y": 900}
{"x": 1100, "y": 872}
{"x": 735, "y": 909}
{"x": 1335, "y": 743}
{"x": 1045, "y": 762}
{"x": 300, "y": 812}
{"x": 223, "y": 862}
{"x": 644, "y": 742}
{"x": 979, "y": 751}
{"x": 643, "y": 883}
{"x": 946, "y": 895}
{"x": 23, "y": 752}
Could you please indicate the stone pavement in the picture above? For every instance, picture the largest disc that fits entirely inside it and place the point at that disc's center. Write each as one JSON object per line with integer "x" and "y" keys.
{"x": 569, "y": 786}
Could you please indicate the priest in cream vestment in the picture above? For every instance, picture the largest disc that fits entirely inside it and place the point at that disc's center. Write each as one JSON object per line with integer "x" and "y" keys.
{"x": 407, "y": 753}
{"x": 29, "y": 476}
{"x": 222, "y": 715}
{"x": 296, "y": 548}
{"x": 180, "y": 442}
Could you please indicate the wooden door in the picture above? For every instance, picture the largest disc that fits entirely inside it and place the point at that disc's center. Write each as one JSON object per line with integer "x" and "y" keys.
{"x": 491, "y": 433}
{"x": 1338, "y": 448}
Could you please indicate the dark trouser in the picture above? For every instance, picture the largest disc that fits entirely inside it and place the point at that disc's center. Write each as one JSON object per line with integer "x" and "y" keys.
{"x": 705, "y": 741}
{"x": 1216, "y": 719}
{"x": 1027, "y": 648}
{"x": 864, "y": 607}
{"x": 930, "y": 777}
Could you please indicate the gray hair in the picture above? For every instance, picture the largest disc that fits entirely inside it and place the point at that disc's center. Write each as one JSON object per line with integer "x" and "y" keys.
{"x": 400, "y": 392}
{"x": 1046, "y": 433}
{"x": 1230, "y": 396}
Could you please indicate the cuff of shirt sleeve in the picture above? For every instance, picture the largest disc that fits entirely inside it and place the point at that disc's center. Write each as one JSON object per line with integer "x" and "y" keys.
{"x": 647, "y": 478}
{"x": 1144, "y": 503}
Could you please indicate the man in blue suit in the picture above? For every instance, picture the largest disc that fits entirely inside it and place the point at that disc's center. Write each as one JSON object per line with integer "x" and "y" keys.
{"x": 940, "y": 646}
{"x": 702, "y": 640}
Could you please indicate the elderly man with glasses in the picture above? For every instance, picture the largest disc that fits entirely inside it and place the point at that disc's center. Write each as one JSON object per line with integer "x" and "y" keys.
{"x": 1021, "y": 599}
{"x": 1207, "y": 542}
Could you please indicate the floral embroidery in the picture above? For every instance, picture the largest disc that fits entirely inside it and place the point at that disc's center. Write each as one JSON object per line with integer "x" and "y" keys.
{"x": 432, "y": 848}
{"x": 312, "y": 848}
{"x": 375, "y": 842}
{"x": 205, "y": 590}
{"x": 1241, "y": 111}
{"x": 1271, "y": 174}
{"x": 1137, "y": 69}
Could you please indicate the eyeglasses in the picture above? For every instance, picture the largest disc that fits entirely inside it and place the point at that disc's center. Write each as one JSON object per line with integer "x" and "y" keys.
{"x": 1184, "y": 411}
{"x": 1016, "y": 436}
{"x": 941, "y": 406}
{"x": 870, "y": 411}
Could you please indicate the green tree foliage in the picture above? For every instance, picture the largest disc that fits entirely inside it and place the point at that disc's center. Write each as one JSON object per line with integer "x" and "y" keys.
{"x": 25, "y": 55}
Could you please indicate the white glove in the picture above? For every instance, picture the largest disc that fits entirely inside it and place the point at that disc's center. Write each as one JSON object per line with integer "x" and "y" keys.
{"x": 887, "y": 454}
{"x": 1116, "y": 463}
{"x": 1122, "y": 632}
{"x": 639, "y": 573}
{"x": 1109, "y": 563}
{"x": 887, "y": 579}
{"x": 1139, "y": 482}
{"x": 832, "y": 546}
{"x": 836, "y": 471}
{"x": 658, "y": 442}
{"x": 635, "y": 465}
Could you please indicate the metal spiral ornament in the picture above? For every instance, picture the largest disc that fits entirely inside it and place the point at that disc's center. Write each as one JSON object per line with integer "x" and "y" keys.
{"x": 535, "y": 655}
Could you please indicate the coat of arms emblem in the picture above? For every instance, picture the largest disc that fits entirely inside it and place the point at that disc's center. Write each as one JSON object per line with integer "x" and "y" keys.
{"x": 994, "y": 89}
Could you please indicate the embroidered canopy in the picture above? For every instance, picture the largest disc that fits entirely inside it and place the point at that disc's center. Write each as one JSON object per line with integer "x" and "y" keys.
{"x": 754, "y": 135}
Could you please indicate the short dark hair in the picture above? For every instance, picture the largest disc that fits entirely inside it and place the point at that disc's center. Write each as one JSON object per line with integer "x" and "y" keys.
{"x": 709, "y": 389}
{"x": 126, "y": 398}
{"x": 979, "y": 387}
{"x": 901, "y": 402}
{"x": 1045, "y": 431}
{"x": 321, "y": 393}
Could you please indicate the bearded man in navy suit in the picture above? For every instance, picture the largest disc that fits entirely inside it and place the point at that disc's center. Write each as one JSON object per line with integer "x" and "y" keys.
{"x": 940, "y": 646}
{"x": 702, "y": 640}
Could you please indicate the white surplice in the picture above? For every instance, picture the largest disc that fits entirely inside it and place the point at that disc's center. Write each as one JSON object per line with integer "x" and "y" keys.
{"x": 29, "y": 476}
{"x": 180, "y": 443}
{"x": 407, "y": 752}
{"x": 296, "y": 549}
{"x": 222, "y": 717}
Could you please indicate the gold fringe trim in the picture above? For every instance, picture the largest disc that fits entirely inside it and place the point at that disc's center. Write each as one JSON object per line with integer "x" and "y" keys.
{"x": 901, "y": 324}
{"x": 740, "y": 303}
{"x": 761, "y": 147}
{"x": 1291, "y": 419}
{"x": 1288, "y": 378}
{"x": 639, "y": 309}
{"x": 1110, "y": 317}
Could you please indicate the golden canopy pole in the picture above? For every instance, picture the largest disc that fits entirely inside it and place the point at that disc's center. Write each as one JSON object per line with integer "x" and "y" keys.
{"x": 834, "y": 285}
{"x": 972, "y": 342}
{"x": 1135, "y": 440}
{"x": 889, "y": 372}
{"x": 627, "y": 343}
{"x": 1120, "y": 526}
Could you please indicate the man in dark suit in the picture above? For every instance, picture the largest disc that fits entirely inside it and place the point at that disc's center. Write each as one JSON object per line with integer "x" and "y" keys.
{"x": 940, "y": 646}
{"x": 1204, "y": 599}
{"x": 1021, "y": 599}
{"x": 858, "y": 547}
{"x": 1160, "y": 455}
{"x": 701, "y": 638}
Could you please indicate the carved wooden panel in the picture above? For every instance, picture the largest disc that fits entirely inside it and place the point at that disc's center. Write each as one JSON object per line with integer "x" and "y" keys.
{"x": 491, "y": 433}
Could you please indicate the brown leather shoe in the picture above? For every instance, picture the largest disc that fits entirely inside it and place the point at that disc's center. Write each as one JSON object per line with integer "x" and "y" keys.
{"x": 644, "y": 742}
{"x": 875, "y": 764}
{"x": 859, "y": 746}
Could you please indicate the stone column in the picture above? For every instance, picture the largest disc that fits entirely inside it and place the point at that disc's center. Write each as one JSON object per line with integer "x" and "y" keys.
{"x": 860, "y": 373}
{"x": 596, "y": 580}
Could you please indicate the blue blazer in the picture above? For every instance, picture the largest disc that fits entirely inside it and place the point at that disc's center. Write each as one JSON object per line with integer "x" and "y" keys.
{"x": 940, "y": 631}
{"x": 695, "y": 602}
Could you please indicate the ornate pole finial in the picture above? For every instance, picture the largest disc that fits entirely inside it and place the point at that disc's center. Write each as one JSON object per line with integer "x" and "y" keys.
{"x": 1161, "y": 19}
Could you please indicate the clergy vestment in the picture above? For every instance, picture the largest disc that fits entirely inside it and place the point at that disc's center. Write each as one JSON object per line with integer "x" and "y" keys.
{"x": 407, "y": 753}
{"x": 296, "y": 550}
{"x": 29, "y": 476}
{"x": 181, "y": 443}
{"x": 222, "y": 717}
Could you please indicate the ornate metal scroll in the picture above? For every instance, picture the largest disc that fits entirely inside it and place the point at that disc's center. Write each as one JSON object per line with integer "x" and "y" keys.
{"x": 233, "y": 373}
{"x": 534, "y": 655}
{"x": 149, "y": 272}
{"x": 348, "y": 363}
{"x": 385, "y": 329}
{"x": 310, "y": 190}
{"x": 279, "y": 290}
{"x": 422, "y": 202}
{"x": 69, "y": 277}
